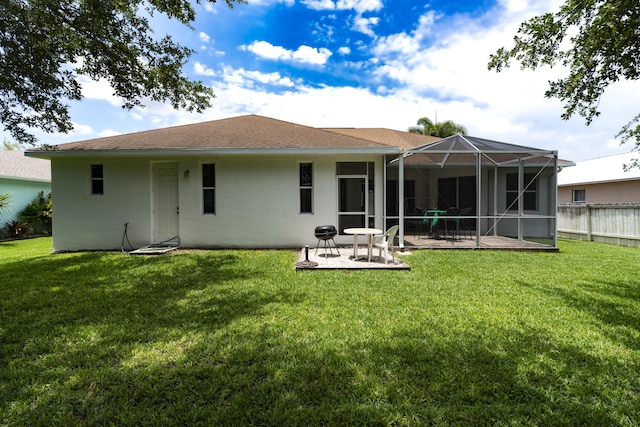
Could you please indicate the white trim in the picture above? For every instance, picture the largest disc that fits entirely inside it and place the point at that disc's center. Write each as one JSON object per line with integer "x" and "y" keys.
{"x": 210, "y": 151}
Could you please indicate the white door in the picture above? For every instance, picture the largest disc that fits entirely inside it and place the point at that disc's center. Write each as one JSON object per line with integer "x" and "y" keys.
{"x": 165, "y": 201}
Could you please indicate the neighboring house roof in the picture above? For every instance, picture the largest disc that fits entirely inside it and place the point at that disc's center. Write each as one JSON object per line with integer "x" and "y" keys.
{"x": 243, "y": 134}
{"x": 394, "y": 138}
{"x": 601, "y": 169}
{"x": 15, "y": 165}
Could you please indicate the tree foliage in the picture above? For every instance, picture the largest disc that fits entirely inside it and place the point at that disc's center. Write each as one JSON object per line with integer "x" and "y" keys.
{"x": 597, "y": 40}
{"x": 11, "y": 146}
{"x": 5, "y": 201}
{"x": 426, "y": 126}
{"x": 47, "y": 45}
{"x": 39, "y": 212}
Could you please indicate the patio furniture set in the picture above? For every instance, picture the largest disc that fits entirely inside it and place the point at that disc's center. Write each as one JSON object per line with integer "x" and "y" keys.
{"x": 443, "y": 224}
{"x": 375, "y": 239}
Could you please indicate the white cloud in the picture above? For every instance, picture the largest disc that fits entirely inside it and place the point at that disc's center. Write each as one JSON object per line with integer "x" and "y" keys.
{"x": 304, "y": 54}
{"x": 108, "y": 132}
{"x": 203, "y": 70}
{"x": 319, "y": 4}
{"x": 344, "y": 50}
{"x": 100, "y": 90}
{"x": 267, "y": 50}
{"x": 79, "y": 129}
{"x": 400, "y": 43}
{"x": 245, "y": 78}
{"x": 360, "y": 6}
{"x": 364, "y": 25}
{"x": 204, "y": 37}
{"x": 312, "y": 55}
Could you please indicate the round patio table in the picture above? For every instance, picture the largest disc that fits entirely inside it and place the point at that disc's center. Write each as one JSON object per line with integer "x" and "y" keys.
{"x": 366, "y": 231}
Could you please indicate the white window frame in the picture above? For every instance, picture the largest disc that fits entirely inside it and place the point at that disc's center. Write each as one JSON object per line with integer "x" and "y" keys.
{"x": 208, "y": 188}
{"x": 95, "y": 179}
{"x": 584, "y": 196}
{"x": 305, "y": 188}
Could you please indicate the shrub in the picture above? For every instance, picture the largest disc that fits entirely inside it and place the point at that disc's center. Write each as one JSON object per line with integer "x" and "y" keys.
{"x": 17, "y": 229}
{"x": 38, "y": 213}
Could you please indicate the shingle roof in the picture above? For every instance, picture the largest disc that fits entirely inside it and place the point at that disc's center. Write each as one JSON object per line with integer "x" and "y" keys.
{"x": 15, "y": 165}
{"x": 394, "y": 138}
{"x": 243, "y": 132}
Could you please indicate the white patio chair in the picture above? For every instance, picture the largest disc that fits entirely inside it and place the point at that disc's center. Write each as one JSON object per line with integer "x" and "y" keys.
{"x": 384, "y": 241}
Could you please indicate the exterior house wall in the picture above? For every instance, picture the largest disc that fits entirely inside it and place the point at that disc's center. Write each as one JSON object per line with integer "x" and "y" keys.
{"x": 22, "y": 192}
{"x": 257, "y": 201}
{"x": 605, "y": 192}
{"x": 82, "y": 220}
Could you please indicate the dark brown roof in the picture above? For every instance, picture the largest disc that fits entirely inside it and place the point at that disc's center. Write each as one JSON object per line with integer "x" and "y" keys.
{"x": 390, "y": 137}
{"x": 244, "y": 132}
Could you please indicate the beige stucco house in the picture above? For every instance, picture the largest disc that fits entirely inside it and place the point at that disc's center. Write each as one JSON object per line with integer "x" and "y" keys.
{"x": 600, "y": 181}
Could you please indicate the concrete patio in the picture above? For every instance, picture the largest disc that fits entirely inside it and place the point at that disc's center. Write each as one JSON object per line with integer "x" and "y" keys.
{"x": 486, "y": 242}
{"x": 345, "y": 261}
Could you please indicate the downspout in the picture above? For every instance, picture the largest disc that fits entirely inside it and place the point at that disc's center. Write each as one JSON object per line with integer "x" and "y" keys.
{"x": 401, "y": 200}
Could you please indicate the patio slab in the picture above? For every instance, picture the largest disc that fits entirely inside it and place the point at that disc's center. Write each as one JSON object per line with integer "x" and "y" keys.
{"x": 332, "y": 261}
{"x": 486, "y": 242}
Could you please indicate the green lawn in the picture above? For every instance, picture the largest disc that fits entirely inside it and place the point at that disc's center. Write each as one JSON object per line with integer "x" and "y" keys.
{"x": 239, "y": 337}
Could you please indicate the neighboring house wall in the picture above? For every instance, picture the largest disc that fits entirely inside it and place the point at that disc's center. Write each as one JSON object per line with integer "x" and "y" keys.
{"x": 23, "y": 178}
{"x": 257, "y": 201}
{"x": 22, "y": 192}
{"x": 605, "y": 192}
{"x": 599, "y": 200}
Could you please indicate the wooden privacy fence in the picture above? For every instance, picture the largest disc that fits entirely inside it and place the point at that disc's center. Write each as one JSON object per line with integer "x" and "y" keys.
{"x": 618, "y": 224}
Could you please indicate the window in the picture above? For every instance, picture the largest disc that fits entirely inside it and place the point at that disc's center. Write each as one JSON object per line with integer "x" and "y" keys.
{"x": 306, "y": 188}
{"x": 97, "y": 179}
{"x": 209, "y": 188}
{"x": 579, "y": 196}
{"x": 530, "y": 192}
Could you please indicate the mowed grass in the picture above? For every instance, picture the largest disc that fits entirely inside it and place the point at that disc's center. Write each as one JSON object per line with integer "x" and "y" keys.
{"x": 241, "y": 338}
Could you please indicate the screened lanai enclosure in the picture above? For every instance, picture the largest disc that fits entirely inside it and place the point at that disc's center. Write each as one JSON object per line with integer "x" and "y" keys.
{"x": 471, "y": 192}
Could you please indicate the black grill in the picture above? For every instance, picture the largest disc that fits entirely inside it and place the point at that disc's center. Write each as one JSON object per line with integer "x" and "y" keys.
{"x": 326, "y": 233}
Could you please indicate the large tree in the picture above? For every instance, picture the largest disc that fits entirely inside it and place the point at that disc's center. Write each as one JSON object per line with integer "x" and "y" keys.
{"x": 599, "y": 43}
{"x": 426, "y": 126}
{"x": 47, "y": 45}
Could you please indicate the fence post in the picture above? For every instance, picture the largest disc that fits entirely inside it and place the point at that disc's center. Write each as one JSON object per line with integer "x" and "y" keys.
{"x": 589, "y": 227}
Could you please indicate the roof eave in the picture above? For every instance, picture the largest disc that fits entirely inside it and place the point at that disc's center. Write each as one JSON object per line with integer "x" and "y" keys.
{"x": 22, "y": 178}
{"x": 48, "y": 154}
{"x": 604, "y": 181}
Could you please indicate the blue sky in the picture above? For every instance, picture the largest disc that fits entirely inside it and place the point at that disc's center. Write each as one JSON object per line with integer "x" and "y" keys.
{"x": 367, "y": 63}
